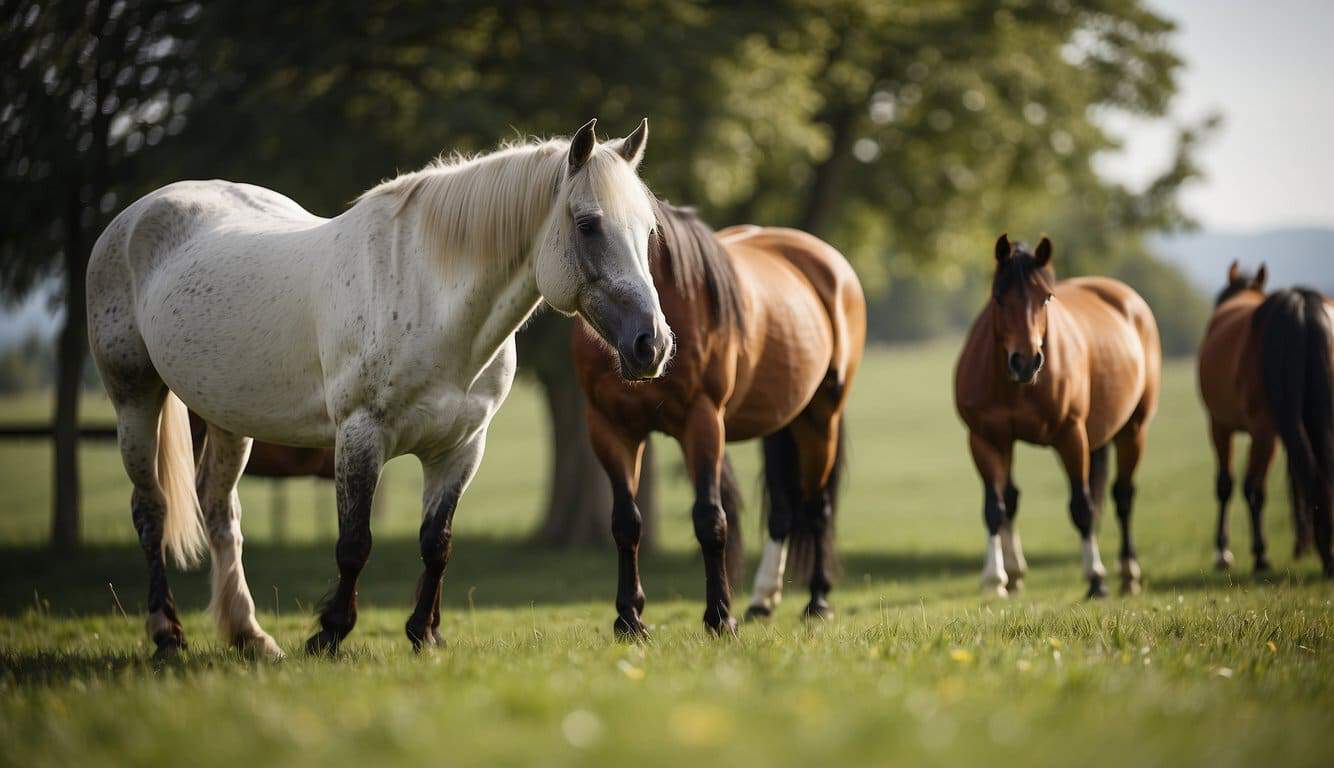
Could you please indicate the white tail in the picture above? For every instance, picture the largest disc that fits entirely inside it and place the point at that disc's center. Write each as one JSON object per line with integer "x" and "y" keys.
{"x": 183, "y": 530}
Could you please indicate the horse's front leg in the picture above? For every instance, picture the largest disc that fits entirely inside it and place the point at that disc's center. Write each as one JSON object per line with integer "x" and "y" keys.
{"x": 358, "y": 458}
{"x": 620, "y": 455}
{"x": 1073, "y": 447}
{"x": 992, "y": 459}
{"x": 703, "y": 441}
{"x": 445, "y": 478}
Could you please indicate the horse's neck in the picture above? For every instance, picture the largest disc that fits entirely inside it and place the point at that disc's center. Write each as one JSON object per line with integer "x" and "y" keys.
{"x": 478, "y": 300}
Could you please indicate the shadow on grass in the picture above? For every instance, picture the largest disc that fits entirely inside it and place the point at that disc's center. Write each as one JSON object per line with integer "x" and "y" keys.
{"x": 492, "y": 572}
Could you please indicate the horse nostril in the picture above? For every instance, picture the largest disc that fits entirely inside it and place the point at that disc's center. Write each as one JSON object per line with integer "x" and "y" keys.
{"x": 644, "y": 352}
{"x": 1015, "y": 363}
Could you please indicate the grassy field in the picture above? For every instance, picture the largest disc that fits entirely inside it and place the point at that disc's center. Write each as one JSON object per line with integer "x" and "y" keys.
{"x": 1202, "y": 669}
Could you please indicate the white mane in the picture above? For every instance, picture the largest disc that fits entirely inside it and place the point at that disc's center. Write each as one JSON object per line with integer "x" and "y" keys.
{"x": 491, "y": 208}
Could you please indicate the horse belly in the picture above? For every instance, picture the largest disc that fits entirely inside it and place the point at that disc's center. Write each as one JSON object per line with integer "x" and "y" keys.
{"x": 1116, "y": 385}
{"x": 791, "y": 358}
{"x": 233, "y": 339}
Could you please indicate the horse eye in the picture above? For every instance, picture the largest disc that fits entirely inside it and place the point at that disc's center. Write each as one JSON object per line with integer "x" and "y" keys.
{"x": 588, "y": 225}
{"x": 1047, "y": 301}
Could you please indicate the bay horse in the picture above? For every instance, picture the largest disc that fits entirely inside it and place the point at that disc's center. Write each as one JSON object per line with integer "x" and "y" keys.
{"x": 1264, "y": 369}
{"x": 386, "y": 330}
{"x": 1074, "y": 365}
{"x": 769, "y": 326}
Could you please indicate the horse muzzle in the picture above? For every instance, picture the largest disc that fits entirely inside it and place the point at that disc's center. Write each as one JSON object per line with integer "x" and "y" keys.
{"x": 644, "y": 353}
{"x": 1023, "y": 368}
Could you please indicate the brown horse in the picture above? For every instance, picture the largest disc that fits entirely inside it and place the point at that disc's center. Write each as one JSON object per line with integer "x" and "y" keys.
{"x": 1073, "y": 365}
{"x": 769, "y": 325}
{"x": 1265, "y": 370}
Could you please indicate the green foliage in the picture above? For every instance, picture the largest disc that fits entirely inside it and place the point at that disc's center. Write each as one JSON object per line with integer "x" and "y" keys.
{"x": 90, "y": 87}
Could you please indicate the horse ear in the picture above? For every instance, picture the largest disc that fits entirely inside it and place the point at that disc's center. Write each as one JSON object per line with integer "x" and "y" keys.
{"x": 1260, "y": 277}
{"x": 581, "y": 146}
{"x": 1043, "y": 253}
{"x": 632, "y": 147}
{"x": 1003, "y": 249}
{"x": 1234, "y": 272}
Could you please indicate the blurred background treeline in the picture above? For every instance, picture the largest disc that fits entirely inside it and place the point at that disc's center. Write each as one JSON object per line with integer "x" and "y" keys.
{"x": 908, "y": 134}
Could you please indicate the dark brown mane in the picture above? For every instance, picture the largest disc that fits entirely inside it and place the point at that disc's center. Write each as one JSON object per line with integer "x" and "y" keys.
{"x": 695, "y": 261}
{"x": 1020, "y": 269}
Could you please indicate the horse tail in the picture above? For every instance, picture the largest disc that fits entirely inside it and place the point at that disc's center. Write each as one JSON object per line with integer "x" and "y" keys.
{"x": 730, "y": 493}
{"x": 1295, "y": 340}
{"x": 183, "y": 528}
{"x": 804, "y": 541}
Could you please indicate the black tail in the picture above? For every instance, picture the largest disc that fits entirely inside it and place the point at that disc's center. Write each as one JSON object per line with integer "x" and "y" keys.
{"x": 1296, "y": 368}
{"x": 783, "y": 510}
{"x": 730, "y": 494}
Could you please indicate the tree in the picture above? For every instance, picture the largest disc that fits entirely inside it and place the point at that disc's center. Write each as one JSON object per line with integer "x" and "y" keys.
{"x": 88, "y": 88}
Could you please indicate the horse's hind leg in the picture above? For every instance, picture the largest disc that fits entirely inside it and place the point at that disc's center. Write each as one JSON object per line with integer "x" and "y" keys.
{"x": 1129, "y": 448}
{"x": 816, "y": 433}
{"x": 782, "y": 482}
{"x": 224, "y": 458}
{"x": 1263, "y": 444}
{"x": 1222, "y": 440}
{"x": 136, "y": 428}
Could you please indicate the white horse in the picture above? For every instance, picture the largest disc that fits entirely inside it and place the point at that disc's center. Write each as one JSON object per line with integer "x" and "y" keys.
{"x": 384, "y": 331}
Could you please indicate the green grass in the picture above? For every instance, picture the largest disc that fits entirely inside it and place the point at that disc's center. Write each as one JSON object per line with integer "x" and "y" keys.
{"x": 1202, "y": 669}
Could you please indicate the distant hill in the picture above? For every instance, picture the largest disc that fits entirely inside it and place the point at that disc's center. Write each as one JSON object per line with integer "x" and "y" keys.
{"x": 1295, "y": 256}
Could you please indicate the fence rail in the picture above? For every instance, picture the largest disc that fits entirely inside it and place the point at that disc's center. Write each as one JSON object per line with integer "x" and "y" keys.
{"x": 40, "y": 430}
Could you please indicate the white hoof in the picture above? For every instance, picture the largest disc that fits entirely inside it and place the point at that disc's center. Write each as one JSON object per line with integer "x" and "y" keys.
{"x": 1224, "y": 560}
{"x": 261, "y": 646}
{"x": 1130, "y": 568}
{"x": 991, "y": 588}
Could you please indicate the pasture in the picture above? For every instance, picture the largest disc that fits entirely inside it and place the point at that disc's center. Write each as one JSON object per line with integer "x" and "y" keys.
{"x": 1203, "y": 668}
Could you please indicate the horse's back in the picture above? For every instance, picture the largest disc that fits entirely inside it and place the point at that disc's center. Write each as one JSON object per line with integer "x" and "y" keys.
{"x": 1123, "y": 347}
{"x": 823, "y": 269}
{"x": 806, "y": 325}
{"x": 204, "y": 282}
{"x": 1222, "y": 376}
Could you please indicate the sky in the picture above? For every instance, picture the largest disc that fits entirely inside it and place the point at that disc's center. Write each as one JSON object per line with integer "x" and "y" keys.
{"x": 1268, "y": 69}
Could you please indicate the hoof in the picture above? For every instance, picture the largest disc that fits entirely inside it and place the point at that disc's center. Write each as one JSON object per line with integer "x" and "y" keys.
{"x": 630, "y": 629}
{"x": 261, "y": 646}
{"x": 1224, "y": 560}
{"x": 169, "y": 645}
{"x": 991, "y": 590}
{"x": 1015, "y": 584}
{"x": 1131, "y": 587}
{"x": 422, "y": 637}
{"x": 323, "y": 643}
{"x": 1097, "y": 590}
{"x": 724, "y": 628}
{"x": 759, "y": 612}
{"x": 1262, "y": 564}
{"x": 818, "y": 608}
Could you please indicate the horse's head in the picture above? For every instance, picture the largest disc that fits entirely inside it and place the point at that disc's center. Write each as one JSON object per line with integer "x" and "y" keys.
{"x": 1240, "y": 282}
{"x": 594, "y": 260}
{"x": 1021, "y": 290}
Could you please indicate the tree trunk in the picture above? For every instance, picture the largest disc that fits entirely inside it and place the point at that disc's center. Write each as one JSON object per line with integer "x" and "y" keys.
{"x": 69, "y": 375}
{"x": 578, "y": 495}
{"x": 828, "y": 175}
